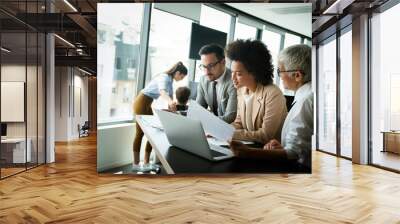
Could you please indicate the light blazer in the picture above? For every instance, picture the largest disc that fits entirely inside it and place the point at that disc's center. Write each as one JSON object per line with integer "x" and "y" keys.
{"x": 268, "y": 116}
{"x": 227, "y": 94}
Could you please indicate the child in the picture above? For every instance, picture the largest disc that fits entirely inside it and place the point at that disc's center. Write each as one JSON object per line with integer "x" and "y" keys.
{"x": 182, "y": 96}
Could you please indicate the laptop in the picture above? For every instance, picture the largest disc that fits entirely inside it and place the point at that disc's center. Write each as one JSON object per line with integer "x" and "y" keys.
{"x": 188, "y": 134}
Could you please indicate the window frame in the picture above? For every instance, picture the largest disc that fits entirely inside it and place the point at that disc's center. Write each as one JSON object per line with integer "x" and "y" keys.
{"x": 333, "y": 37}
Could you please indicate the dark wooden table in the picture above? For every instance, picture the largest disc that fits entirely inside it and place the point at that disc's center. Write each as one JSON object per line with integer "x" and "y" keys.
{"x": 177, "y": 161}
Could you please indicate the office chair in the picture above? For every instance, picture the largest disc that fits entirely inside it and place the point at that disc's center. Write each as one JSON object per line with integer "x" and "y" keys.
{"x": 84, "y": 130}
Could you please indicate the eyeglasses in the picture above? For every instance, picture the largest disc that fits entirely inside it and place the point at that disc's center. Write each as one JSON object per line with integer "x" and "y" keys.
{"x": 209, "y": 66}
{"x": 279, "y": 71}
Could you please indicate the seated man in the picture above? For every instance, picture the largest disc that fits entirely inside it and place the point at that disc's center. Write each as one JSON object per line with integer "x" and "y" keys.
{"x": 295, "y": 71}
{"x": 215, "y": 89}
{"x": 182, "y": 96}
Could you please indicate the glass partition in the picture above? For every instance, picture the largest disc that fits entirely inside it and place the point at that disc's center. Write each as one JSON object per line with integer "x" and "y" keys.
{"x": 41, "y": 88}
{"x": 14, "y": 150}
{"x": 327, "y": 96}
{"x": 32, "y": 98}
{"x": 22, "y": 93}
{"x": 346, "y": 93}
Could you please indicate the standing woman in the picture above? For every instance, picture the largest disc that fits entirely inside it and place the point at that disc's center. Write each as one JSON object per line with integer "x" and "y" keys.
{"x": 159, "y": 86}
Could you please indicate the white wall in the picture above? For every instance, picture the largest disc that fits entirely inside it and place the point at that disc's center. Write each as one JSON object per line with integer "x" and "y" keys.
{"x": 61, "y": 103}
{"x": 71, "y": 103}
{"x": 114, "y": 145}
{"x": 80, "y": 109}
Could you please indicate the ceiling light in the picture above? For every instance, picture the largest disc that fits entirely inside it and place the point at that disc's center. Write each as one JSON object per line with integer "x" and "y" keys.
{"x": 79, "y": 51}
{"x": 5, "y": 50}
{"x": 64, "y": 40}
{"x": 84, "y": 71}
{"x": 337, "y": 7}
{"x": 331, "y": 7}
{"x": 70, "y": 5}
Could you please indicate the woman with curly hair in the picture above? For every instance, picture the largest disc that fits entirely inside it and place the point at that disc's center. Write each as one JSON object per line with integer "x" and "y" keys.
{"x": 261, "y": 104}
{"x": 294, "y": 68}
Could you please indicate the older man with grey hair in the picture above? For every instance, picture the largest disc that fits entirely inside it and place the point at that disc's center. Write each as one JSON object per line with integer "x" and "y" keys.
{"x": 294, "y": 68}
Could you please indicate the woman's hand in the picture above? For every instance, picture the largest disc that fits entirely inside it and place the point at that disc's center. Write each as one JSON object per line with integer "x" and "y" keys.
{"x": 273, "y": 144}
{"x": 171, "y": 104}
{"x": 239, "y": 149}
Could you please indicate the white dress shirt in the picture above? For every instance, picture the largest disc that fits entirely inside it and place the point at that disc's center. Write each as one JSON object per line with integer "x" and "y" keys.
{"x": 298, "y": 127}
{"x": 218, "y": 85}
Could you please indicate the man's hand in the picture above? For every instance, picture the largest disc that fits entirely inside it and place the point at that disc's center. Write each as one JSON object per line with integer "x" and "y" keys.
{"x": 273, "y": 144}
{"x": 239, "y": 149}
{"x": 172, "y": 106}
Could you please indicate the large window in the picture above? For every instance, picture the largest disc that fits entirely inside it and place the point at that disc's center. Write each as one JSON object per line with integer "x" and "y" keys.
{"x": 385, "y": 84}
{"x": 117, "y": 61}
{"x": 346, "y": 93}
{"x": 168, "y": 43}
{"x": 291, "y": 39}
{"x": 327, "y": 96}
{"x": 327, "y": 108}
{"x": 243, "y": 31}
{"x": 215, "y": 19}
{"x": 308, "y": 42}
{"x": 273, "y": 42}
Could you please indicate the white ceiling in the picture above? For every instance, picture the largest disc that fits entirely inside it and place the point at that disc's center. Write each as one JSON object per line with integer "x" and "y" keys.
{"x": 292, "y": 16}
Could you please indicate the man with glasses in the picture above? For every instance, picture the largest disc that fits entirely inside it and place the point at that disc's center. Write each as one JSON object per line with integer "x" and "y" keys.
{"x": 215, "y": 89}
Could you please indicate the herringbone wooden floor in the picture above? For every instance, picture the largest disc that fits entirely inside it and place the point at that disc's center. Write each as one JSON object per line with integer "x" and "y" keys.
{"x": 70, "y": 191}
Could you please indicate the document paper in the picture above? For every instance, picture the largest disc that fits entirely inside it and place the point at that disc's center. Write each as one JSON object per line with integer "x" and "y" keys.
{"x": 212, "y": 124}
